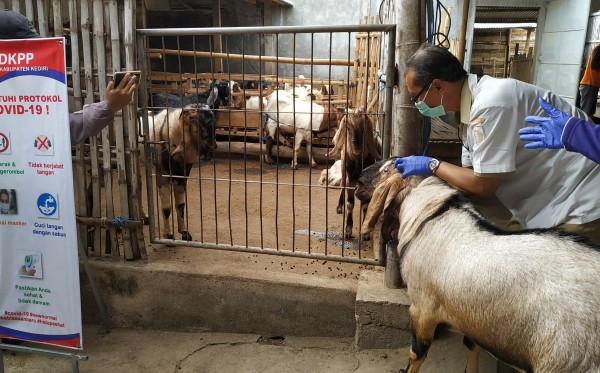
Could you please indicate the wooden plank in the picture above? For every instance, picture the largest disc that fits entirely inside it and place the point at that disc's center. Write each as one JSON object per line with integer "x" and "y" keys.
{"x": 239, "y": 119}
{"x": 248, "y": 57}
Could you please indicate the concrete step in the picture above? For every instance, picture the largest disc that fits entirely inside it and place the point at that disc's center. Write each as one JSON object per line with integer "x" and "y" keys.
{"x": 382, "y": 319}
{"x": 219, "y": 297}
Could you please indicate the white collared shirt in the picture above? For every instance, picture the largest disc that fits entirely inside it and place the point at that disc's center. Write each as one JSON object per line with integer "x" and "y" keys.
{"x": 541, "y": 187}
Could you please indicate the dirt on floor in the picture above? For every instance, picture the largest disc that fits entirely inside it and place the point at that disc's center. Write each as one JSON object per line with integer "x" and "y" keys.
{"x": 237, "y": 202}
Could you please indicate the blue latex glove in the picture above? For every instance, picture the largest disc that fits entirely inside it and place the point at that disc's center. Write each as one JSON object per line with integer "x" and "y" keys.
{"x": 548, "y": 132}
{"x": 412, "y": 165}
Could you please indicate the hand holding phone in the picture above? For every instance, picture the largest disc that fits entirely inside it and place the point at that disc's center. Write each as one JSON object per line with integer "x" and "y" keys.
{"x": 118, "y": 76}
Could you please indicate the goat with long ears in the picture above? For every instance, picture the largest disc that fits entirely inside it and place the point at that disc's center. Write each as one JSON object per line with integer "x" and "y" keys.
{"x": 530, "y": 298}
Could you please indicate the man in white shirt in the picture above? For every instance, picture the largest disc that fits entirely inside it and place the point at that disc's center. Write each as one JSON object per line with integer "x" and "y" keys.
{"x": 542, "y": 188}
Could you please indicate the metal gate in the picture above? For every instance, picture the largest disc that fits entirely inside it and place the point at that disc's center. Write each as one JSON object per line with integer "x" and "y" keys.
{"x": 233, "y": 198}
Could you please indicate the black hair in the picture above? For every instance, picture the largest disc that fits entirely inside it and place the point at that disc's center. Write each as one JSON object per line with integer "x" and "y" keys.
{"x": 432, "y": 62}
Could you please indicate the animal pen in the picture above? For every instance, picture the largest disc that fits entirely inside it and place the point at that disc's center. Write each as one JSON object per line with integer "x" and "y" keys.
{"x": 234, "y": 199}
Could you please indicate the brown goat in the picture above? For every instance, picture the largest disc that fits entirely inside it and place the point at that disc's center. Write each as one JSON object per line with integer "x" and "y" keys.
{"x": 355, "y": 143}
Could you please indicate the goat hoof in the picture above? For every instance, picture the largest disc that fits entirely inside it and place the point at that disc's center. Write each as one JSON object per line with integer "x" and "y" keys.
{"x": 339, "y": 210}
{"x": 348, "y": 233}
{"x": 186, "y": 236}
{"x": 366, "y": 237}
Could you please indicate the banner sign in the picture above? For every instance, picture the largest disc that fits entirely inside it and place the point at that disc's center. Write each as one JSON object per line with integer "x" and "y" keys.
{"x": 39, "y": 266}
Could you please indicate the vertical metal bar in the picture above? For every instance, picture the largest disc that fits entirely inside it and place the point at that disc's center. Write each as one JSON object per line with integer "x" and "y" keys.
{"x": 145, "y": 77}
{"x": 295, "y": 141}
{"x": 197, "y": 89}
{"x": 277, "y": 168}
{"x": 245, "y": 147}
{"x": 260, "y": 142}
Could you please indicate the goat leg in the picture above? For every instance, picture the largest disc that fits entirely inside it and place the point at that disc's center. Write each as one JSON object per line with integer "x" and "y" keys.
{"x": 268, "y": 158}
{"x": 297, "y": 145}
{"x": 340, "y": 206}
{"x": 349, "y": 211}
{"x": 423, "y": 332}
{"x": 179, "y": 191}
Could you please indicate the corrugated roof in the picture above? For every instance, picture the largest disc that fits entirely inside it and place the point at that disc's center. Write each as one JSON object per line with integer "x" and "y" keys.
{"x": 492, "y": 14}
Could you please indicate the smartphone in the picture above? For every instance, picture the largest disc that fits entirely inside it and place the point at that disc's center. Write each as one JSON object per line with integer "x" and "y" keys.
{"x": 118, "y": 76}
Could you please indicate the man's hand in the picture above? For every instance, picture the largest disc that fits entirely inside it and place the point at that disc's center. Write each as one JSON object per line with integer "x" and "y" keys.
{"x": 118, "y": 97}
{"x": 548, "y": 132}
{"x": 412, "y": 165}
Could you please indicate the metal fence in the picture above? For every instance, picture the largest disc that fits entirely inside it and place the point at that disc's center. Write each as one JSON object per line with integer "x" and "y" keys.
{"x": 233, "y": 198}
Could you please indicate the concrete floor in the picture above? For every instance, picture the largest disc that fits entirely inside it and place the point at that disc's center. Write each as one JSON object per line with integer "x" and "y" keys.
{"x": 133, "y": 350}
{"x": 128, "y": 349}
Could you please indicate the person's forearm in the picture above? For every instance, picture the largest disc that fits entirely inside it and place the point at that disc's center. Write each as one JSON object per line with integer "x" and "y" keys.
{"x": 89, "y": 121}
{"x": 465, "y": 180}
{"x": 582, "y": 137}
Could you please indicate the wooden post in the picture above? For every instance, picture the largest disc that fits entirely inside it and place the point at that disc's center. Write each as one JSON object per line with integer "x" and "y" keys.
{"x": 407, "y": 135}
{"x": 138, "y": 248}
{"x": 89, "y": 98}
{"x": 115, "y": 43}
{"x": 460, "y": 52}
{"x": 217, "y": 39}
{"x": 267, "y": 41}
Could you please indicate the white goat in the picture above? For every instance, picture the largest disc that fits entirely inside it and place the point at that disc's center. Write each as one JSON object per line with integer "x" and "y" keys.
{"x": 296, "y": 117}
{"x": 332, "y": 176}
{"x": 531, "y": 298}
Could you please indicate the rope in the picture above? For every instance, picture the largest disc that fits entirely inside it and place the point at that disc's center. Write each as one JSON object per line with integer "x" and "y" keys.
{"x": 119, "y": 222}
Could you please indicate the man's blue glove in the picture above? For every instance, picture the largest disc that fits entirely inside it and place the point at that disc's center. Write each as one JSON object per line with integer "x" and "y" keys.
{"x": 548, "y": 132}
{"x": 412, "y": 165}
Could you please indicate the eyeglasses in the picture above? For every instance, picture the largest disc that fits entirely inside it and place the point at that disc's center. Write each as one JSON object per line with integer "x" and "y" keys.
{"x": 416, "y": 97}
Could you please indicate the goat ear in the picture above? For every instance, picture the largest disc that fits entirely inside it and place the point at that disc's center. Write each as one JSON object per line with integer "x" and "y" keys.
{"x": 179, "y": 150}
{"x": 385, "y": 193}
{"x": 339, "y": 139}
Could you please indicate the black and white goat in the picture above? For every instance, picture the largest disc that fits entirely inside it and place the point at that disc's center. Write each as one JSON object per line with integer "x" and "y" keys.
{"x": 183, "y": 137}
{"x": 531, "y": 298}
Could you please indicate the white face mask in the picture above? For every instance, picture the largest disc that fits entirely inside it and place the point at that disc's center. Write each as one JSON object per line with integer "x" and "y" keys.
{"x": 4, "y": 208}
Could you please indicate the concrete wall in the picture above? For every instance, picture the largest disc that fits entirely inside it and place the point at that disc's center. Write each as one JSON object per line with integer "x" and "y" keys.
{"x": 242, "y": 14}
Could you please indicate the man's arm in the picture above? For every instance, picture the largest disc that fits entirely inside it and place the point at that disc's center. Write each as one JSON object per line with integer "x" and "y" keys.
{"x": 465, "y": 180}
{"x": 89, "y": 121}
{"x": 94, "y": 117}
{"x": 461, "y": 178}
{"x": 582, "y": 137}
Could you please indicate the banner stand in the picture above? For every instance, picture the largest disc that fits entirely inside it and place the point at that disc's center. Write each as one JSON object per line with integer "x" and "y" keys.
{"x": 75, "y": 358}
